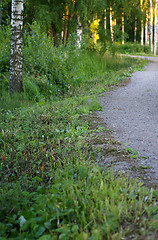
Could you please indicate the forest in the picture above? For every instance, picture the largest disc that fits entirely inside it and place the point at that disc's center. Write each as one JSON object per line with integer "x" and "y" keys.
{"x": 56, "y": 59}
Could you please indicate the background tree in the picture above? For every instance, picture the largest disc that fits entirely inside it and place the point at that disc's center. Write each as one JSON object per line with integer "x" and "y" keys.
{"x": 16, "y": 84}
{"x": 151, "y": 26}
{"x": 155, "y": 27}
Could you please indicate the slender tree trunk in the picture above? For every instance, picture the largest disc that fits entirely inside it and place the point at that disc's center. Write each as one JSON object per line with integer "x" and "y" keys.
{"x": 65, "y": 32}
{"x": 16, "y": 60}
{"x": 111, "y": 24}
{"x": 146, "y": 30}
{"x": 135, "y": 30}
{"x": 123, "y": 28}
{"x": 54, "y": 34}
{"x": 155, "y": 28}
{"x": 151, "y": 27}
{"x": 142, "y": 25}
{"x": 66, "y": 24}
{"x": 114, "y": 27}
{"x": 105, "y": 21}
{"x": 0, "y": 12}
{"x": 79, "y": 31}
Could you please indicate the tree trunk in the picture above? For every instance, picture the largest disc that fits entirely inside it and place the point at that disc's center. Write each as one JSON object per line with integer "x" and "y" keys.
{"x": 135, "y": 30}
{"x": 16, "y": 60}
{"x": 105, "y": 20}
{"x": 146, "y": 30}
{"x": 66, "y": 17}
{"x": 151, "y": 27}
{"x": 142, "y": 25}
{"x": 155, "y": 29}
{"x": 123, "y": 28}
{"x": 79, "y": 32}
{"x": 111, "y": 25}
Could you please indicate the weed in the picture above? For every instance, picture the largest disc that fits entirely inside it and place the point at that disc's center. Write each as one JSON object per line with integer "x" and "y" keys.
{"x": 132, "y": 151}
{"x": 51, "y": 186}
{"x": 144, "y": 167}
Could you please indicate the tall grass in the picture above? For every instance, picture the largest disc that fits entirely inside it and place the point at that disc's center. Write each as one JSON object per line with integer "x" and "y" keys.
{"x": 51, "y": 186}
{"x": 131, "y": 48}
{"x": 50, "y": 71}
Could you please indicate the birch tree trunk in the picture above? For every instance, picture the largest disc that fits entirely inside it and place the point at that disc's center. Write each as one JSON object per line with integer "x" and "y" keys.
{"x": 16, "y": 60}
{"x": 79, "y": 32}
{"x": 151, "y": 27}
{"x": 105, "y": 20}
{"x": 142, "y": 25}
{"x": 146, "y": 30}
{"x": 123, "y": 28}
{"x": 135, "y": 30}
{"x": 155, "y": 28}
{"x": 111, "y": 24}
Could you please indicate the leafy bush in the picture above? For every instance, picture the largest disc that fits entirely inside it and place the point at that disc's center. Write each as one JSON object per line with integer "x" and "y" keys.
{"x": 52, "y": 71}
{"x": 31, "y": 88}
{"x": 51, "y": 66}
{"x": 4, "y": 57}
{"x": 129, "y": 48}
{"x": 4, "y": 48}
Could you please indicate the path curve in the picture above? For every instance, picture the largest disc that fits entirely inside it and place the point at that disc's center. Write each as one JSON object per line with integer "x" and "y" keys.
{"x": 131, "y": 112}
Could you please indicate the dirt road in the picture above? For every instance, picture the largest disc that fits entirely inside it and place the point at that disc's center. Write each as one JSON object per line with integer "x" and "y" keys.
{"x": 131, "y": 112}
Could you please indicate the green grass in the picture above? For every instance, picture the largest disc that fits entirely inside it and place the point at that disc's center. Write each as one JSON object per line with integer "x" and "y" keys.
{"x": 51, "y": 185}
{"x": 90, "y": 74}
{"x": 49, "y": 72}
{"x": 131, "y": 48}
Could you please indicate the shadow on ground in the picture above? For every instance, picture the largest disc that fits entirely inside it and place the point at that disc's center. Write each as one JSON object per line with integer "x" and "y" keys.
{"x": 114, "y": 156}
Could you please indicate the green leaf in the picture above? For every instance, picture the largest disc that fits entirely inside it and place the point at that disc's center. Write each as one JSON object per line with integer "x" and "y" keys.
{"x": 45, "y": 237}
{"x": 40, "y": 231}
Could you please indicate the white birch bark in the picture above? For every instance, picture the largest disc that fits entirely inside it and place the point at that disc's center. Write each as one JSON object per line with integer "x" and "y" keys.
{"x": 111, "y": 25}
{"x": 142, "y": 25}
{"x": 123, "y": 28}
{"x": 16, "y": 47}
{"x": 105, "y": 20}
{"x": 79, "y": 32}
{"x": 151, "y": 27}
{"x": 155, "y": 28}
{"x": 146, "y": 29}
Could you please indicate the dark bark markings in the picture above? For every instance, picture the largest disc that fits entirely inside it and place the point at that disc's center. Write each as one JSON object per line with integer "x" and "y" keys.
{"x": 16, "y": 58}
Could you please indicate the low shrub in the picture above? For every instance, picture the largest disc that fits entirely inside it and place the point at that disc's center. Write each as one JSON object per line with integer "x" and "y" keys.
{"x": 131, "y": 48}
{"x": 50, "y": 65}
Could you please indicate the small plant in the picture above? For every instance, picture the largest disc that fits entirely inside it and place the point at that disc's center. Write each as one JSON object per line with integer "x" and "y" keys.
{"x": 132, "y": 151}
{"x": 51, "y": 186}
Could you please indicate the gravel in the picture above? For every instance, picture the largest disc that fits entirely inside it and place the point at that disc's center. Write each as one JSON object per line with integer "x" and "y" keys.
{"x": 131, "y": 112}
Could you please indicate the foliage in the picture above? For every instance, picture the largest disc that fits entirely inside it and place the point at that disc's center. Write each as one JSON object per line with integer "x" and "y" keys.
{"x": 131, "y": 48}
{"x": 51, "y": 187}
{"x": 52, "y": 71}
{"x": 4, "y": 56}
{"x": 50, "y": 66}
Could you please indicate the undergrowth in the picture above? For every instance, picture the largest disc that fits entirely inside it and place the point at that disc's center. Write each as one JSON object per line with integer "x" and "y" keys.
{"x": 50, "y": 71}
{"x": 51, "y": 185}
{"x": 131, "y": 48}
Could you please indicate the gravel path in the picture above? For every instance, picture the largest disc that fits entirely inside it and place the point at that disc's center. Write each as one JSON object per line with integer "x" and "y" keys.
{"x": 132, "y": 113}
